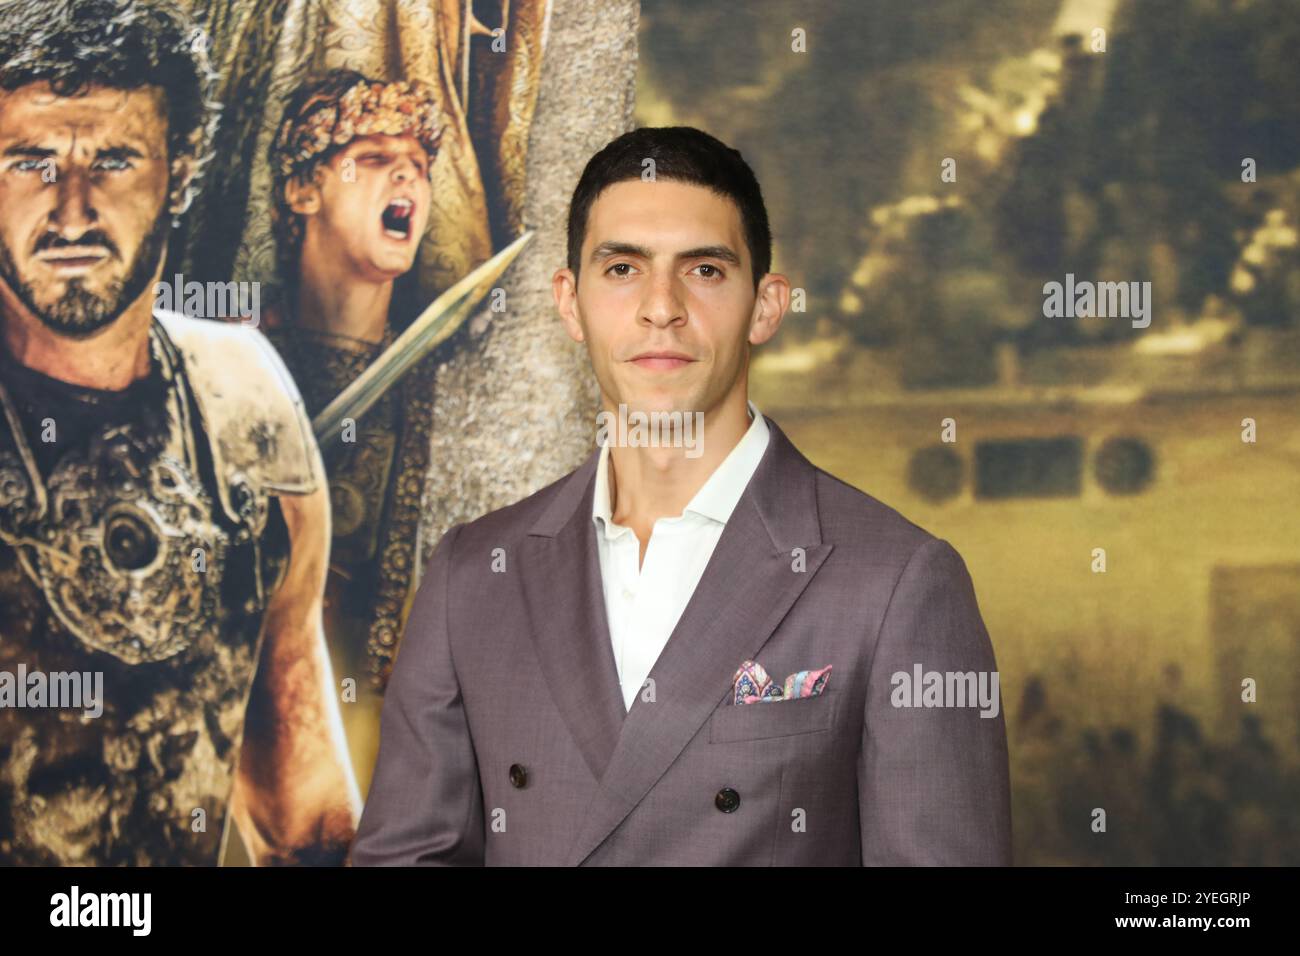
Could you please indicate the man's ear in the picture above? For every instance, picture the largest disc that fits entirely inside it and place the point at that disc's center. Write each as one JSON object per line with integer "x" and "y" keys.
{"x": 183, "y": 169}
{"x": 770, "y": 304}
{"x": 303, "y": 198}
{"x": 564, "y": 289}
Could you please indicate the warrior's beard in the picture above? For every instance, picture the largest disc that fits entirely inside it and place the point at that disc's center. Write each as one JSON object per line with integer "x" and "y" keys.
{"x": 81, "y": 312}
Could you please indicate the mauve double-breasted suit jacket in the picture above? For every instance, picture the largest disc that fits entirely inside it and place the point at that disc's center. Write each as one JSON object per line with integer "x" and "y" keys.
{"x": 504, "y": 738}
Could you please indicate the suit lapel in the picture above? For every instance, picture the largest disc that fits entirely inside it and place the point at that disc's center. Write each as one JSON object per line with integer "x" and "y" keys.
{"x": 569, "y": 627}
{"x": 747, "y": 587}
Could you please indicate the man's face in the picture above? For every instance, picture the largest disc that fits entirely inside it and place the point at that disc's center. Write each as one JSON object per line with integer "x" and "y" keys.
{"x": 665, "y": 297}
{"x": 83, "y": 189}
{"x": 371, "y": 204}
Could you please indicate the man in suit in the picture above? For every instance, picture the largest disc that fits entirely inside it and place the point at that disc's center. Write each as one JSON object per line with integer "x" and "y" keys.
{"x": 593, "y": 675}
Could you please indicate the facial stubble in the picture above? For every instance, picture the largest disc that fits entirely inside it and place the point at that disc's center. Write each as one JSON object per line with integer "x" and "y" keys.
{"x": 79, "y": 312}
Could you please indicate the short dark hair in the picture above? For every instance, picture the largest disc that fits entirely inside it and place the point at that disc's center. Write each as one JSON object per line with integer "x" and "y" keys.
{"x": 121, "y": 44}
{"x": 683, "y": 154}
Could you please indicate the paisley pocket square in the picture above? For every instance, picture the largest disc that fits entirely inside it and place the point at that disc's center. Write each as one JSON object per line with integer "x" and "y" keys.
{"x": 753, "y": 685}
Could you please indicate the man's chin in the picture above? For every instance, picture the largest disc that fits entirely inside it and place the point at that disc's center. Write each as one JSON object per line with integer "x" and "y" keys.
{"x": 678, "y": 395}
{"x": 77, "y": 314}
{"x": 79, "y": 326}
{"x": 392, "y": 267}
{"x": 658, "y": 404}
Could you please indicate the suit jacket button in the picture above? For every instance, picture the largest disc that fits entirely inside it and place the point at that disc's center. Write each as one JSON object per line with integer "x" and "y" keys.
{"x": 518, "y": 776}
{"x": 727, "y": 800}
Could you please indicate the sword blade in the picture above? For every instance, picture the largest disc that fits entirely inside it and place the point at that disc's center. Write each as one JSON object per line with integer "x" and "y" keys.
{"x": 430, "y": 329}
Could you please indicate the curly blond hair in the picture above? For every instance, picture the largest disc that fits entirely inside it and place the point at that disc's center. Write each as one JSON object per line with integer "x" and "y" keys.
{"x": 325, "y": 115}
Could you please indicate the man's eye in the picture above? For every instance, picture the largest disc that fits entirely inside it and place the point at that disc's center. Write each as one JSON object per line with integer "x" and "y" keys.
{"x": 627, "y": 266}
{"x": 709, "y": 271}
{"x": 30, "y": 165}
{"x": 113, "y": 165}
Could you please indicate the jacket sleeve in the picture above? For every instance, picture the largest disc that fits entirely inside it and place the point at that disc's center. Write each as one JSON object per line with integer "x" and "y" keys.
{"x": 933, "y": 782}
{"x": 425, "y": 805}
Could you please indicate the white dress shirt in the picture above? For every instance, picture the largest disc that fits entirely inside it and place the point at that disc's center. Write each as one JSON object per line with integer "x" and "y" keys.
{"x": 644, "y": 602}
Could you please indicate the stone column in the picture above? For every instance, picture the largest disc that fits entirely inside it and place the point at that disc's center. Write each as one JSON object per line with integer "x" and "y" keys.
{"x": 515, "y": 400}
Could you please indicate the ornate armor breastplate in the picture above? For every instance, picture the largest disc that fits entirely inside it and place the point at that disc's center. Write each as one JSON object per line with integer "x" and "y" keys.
{"x": 121, "y": 538}
{"x": 147, "y": 555}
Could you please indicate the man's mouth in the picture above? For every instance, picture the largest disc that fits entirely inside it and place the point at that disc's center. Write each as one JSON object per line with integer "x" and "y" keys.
{"x": 73, "y": 259}
{"x": 664, "y": 361}
{"x": 396, "y": 219}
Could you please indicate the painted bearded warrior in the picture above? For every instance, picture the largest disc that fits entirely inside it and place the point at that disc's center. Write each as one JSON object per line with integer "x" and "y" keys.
{"x": 163, "y": 518}
{"x": 351, "y": 162}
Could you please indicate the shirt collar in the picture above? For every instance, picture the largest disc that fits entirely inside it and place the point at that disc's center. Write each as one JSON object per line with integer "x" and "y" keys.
{"x": 717, "y": 498}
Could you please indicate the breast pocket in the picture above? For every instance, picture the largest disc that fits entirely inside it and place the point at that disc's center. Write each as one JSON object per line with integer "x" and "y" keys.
{"x": 785, "y": 718}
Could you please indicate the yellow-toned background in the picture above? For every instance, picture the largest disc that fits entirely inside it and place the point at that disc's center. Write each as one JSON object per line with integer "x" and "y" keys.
{"x": 924, "y": 303}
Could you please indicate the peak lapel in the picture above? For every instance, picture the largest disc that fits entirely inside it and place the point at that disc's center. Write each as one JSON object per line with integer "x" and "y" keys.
{"x": 747, "y": 588}
{"x": 566, "y": 608}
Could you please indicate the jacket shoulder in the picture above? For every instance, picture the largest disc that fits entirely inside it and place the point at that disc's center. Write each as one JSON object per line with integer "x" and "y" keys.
{"x": 853, "y": 519}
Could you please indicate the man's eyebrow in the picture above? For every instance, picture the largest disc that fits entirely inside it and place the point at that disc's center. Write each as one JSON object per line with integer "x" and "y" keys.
{"x": 32, "y": 151}
{"x": 725, "y": 253}
{"x": 390, "y": 150}
{"x": 612, "y": 248}
{"x": 27, "y": 150}
{"x": 119, "y": 152}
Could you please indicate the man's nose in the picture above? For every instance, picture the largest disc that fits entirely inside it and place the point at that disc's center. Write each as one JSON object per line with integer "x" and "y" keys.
{"x": 405, "y": 170}
{"x": 74, "y": 213}
{"x": 663, "y": 305}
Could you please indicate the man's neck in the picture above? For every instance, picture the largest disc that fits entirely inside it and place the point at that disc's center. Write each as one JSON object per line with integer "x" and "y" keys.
{"x": 111, "y": 359}
{"x": 646, "y": 484}
{"x": 350, "y": 306}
